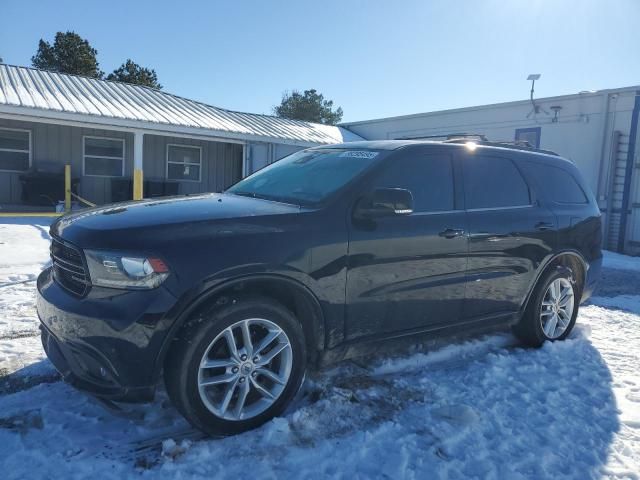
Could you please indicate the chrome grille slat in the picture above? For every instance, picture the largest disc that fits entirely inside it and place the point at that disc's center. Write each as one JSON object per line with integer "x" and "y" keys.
{"x": 69, "y": 270}
{"x": 68, "y": 265}
{"x": 81, "y": 277}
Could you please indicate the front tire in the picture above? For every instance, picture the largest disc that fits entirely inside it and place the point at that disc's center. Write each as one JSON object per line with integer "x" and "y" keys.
{"x": 237, "y": 366}
{"x": 552, "y": 310}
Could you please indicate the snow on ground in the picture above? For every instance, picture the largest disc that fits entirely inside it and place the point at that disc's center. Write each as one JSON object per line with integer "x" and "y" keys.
{"x": 482, "y": 407}
{"x": 24, "y": 252}
{"x": 621, "y": 262}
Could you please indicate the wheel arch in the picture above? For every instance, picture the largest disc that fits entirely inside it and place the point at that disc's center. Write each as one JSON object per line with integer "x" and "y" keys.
{"x": 291, "y": 293}
{"x": 566, "y": 258}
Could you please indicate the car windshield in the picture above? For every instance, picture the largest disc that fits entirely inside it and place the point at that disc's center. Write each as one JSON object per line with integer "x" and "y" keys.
{"x": 307, "y": 177}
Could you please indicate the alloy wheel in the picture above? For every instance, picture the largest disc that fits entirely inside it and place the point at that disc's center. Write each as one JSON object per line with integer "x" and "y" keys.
{"x": 245, "y": 369}
{"x": 556, "y": 311}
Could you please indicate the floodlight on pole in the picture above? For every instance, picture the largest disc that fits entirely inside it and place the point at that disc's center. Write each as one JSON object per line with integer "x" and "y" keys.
{"x": 536, "y": 109}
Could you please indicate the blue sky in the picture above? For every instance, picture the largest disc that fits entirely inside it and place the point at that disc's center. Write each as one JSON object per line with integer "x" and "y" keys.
{"x": 373, "y": 58}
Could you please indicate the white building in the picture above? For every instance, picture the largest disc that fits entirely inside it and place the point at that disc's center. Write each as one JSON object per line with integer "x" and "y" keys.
{"x": 597, "y": 130}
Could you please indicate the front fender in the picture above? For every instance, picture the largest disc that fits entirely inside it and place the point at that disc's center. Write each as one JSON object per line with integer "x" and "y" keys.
{"x": 200, "y": 295}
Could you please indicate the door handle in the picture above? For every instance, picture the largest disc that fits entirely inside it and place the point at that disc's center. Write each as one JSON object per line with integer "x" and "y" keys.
{"x": 544, "y": 226}
{"x": 452, "y": 233}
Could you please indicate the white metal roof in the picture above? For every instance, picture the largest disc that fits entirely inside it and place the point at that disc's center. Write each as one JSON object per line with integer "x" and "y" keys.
{"x": 56, "y": 95}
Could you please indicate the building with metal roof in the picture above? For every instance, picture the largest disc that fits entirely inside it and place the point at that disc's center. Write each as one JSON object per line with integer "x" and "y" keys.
{"x": 106, "y": 130}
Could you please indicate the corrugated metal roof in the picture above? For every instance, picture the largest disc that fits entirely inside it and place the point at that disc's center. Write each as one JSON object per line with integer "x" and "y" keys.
{"x": 46, "y": 91}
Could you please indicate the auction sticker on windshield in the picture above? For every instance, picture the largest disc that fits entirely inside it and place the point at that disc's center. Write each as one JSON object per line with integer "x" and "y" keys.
{"x": 359, "y": 154}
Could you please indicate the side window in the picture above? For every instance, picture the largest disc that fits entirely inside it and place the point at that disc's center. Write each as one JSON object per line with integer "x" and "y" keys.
{"x": 493, "y": 182}
{"x": 555, "y": 184}
{"x": 428, "y": 177}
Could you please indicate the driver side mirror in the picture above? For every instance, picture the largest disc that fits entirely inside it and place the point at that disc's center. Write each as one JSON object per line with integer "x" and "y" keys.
{"x": 385, "y": 202}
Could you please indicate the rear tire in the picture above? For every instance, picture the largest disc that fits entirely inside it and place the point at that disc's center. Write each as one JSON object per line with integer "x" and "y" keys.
{"x": 236, "y": 367}
{"x": 552, "y": 309}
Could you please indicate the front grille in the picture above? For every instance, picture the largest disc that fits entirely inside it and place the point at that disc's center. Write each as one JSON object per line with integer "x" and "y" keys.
{"x": 68, "y": 268}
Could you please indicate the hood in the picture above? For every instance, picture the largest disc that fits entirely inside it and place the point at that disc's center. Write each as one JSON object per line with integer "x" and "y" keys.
{"x": 157, "y": 215}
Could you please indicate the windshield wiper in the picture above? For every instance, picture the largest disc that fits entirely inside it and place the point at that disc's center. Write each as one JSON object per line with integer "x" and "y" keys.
{"x": 257, "y": 195}
{"x": 271, "y": 198}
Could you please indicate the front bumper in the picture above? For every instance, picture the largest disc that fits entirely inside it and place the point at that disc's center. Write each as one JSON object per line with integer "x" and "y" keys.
{"x": 106, "y": 343}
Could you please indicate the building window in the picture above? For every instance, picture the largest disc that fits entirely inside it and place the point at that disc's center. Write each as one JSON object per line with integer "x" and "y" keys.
{"x": 530, "y": 135}
{"x": 103, "y": 157}
{"x": 15, "y": 150}
{"x": 184, "y": 162}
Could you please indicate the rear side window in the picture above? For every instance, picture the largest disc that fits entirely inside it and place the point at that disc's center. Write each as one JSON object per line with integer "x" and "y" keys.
{"x": 555, "y": 184}
{"x": 493, "y": 182}
{"x": 429, "y": 178}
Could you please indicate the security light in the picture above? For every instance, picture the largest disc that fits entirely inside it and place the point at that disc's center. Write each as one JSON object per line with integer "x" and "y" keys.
{"x": 555, "y": 109}
{"x": 535, "y": 108}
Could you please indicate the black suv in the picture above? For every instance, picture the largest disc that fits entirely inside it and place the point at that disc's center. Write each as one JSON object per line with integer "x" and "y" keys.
{"x": 230, "y": 297}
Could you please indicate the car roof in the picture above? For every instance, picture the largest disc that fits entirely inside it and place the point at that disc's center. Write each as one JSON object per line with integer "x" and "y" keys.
{"x": 374, "y": 144}
{"x": 488, "y": 146}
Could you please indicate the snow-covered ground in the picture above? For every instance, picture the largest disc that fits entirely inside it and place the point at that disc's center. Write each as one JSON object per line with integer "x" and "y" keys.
{"x": 475, "y": 408}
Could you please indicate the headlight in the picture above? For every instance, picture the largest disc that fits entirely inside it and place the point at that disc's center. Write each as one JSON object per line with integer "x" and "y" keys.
{"x": 110, "y": 269}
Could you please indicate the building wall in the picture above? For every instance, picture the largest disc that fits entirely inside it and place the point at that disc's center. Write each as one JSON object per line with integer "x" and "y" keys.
{"x": 57, "y": 145}
{"x": 221, "y": 163}
{"x": 584, "y": 132}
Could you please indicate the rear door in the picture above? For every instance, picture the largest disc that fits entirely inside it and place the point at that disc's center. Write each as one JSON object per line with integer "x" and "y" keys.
{"x": 510, "y": 233}
{"x": 407, "y": 272}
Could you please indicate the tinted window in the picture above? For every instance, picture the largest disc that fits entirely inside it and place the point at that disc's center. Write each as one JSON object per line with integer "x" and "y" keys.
{"x": 493, "y": 182}
{"x": 429, "y": 178}
{"x": 555, "y": 184}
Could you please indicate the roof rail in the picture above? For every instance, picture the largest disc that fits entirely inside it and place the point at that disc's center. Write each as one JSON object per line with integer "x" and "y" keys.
{"x": 481, "y": 139}
{"x": 515, "y": 145}
{"x": 449, "y": 136}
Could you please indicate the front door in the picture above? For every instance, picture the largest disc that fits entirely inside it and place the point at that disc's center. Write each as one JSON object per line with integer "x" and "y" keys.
{"x": 407, "y": 272}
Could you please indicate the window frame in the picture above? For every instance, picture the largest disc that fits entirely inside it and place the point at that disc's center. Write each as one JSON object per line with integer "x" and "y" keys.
{"x": 166, "y": 173}
{"x": 537, "y": 130}
{"x": 84, "y": 155}
{"x": 30, "y": 151}
{"x": 532, "y": 196}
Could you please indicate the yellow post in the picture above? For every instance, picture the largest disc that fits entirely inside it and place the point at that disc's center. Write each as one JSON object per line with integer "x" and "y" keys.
{"x": 137, "y": 184}
{"x": 67, "y": 188}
